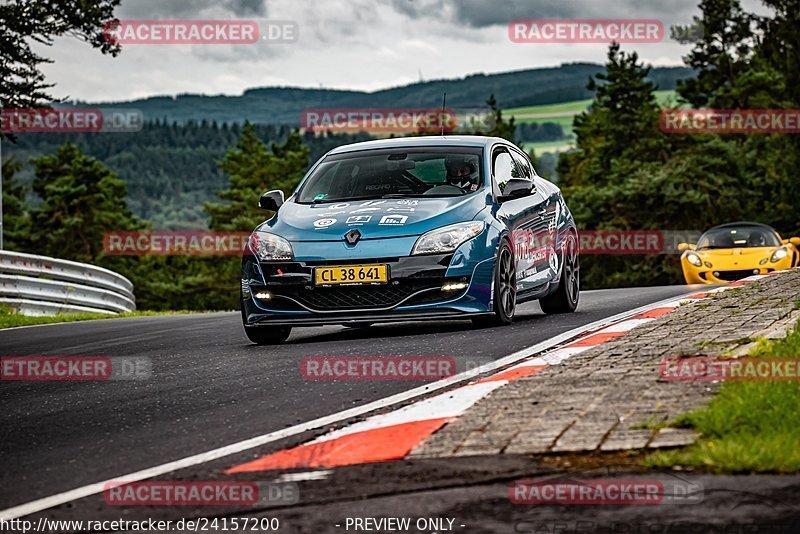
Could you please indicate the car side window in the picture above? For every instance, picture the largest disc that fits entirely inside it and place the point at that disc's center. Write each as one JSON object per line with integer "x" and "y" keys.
{"x": 523, "y": 166}
{"x": 503, "y": 169}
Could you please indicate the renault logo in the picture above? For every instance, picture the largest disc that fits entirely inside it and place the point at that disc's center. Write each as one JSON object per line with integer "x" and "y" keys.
{"x": 352, "y": 237}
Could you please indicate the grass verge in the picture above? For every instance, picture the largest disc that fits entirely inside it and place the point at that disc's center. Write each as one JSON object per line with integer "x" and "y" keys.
{"x": 10, "y": 319}
{"x": 749, "y": 426}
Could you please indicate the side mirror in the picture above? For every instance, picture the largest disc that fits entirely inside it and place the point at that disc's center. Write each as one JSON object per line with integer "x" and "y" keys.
{"x": 516, "y": 188}
{"x": 271, "y": 200}
{"x": 795, "y": 241}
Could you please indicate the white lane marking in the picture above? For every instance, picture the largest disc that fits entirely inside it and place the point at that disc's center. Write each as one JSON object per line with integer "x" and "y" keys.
{"x": 305, "y": 475}
{"x": 624, "y": 326}
{"x": 552, "y": 358}
{"x": 215, "y": 454}
{"x": 443, "y": 406}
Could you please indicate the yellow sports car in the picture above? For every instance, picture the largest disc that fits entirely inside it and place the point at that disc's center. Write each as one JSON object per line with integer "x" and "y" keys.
{"x": 737, "y": 250}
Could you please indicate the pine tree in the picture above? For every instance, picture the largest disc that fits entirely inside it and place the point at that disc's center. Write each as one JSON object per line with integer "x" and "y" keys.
{"x": 81, "y": 201}
{"x": 620, "y": 129}
{"x": 254, "y": 170}
{"x": 23, "y": 22}
{"x": 16, "y": 212}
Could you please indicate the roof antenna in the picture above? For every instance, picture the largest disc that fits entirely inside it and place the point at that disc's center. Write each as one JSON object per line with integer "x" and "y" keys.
{"x": 444, "y": 101}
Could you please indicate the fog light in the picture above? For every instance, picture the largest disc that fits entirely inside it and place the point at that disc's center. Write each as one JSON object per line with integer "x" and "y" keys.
{"x": 264, "y": 295}
{"x": 756, "y": 271}
{"x": 716, "y": 274}
{"x": 456, "y": 286}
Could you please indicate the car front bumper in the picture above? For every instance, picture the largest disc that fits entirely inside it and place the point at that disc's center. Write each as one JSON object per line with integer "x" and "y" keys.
{"x": 696, "y": 275}
{"x": 414, "y": 291}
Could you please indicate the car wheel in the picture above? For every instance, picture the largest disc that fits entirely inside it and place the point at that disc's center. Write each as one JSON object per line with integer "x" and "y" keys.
{"x": 265, "y": 335}
{"x": 505, "y": 289}
{"x": 357, "y": 325}
{"x": 565, "y": 298}
{"x": 268, "y": 335}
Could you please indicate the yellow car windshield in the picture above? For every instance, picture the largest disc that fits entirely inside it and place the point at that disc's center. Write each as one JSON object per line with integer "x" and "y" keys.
{"x": 739, "y": 237}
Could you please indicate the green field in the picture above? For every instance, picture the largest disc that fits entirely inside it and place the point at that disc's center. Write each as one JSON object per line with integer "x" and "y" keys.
{"x": 10, "y": 319}
{"x": 574, "y": 107}
{"x": 550, "y": 146}
{"x": 565, "y": 112}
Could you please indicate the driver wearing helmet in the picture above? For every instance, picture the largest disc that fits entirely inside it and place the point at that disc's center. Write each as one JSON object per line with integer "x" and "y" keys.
{"x": 461, "y": 172}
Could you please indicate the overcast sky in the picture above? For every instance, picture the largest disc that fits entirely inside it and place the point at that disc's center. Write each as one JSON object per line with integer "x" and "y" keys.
{"x": 346, "y": 44}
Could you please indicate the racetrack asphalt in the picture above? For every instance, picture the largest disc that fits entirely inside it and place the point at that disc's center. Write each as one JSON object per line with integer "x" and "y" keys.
{"x": 211, "y": 387}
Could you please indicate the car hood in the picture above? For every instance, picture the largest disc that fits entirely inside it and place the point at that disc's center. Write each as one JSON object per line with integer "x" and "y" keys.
{"x": 748, "y": 252}
{"x": 375, "y": 219}
{"x": 736, "y": 258}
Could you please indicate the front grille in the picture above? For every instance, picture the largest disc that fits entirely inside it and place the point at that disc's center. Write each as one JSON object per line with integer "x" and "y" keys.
{"x": 733, "y": 275}
{"x": 354, "y": 297}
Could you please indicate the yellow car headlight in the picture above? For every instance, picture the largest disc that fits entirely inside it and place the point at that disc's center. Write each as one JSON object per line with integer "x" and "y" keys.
{"x": 694, "y": 259}
{"x": 778, "y": 255}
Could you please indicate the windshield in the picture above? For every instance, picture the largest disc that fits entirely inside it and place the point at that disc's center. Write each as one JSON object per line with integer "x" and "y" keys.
{"x": 739, "y": 237}
{"x": 396, "y": 173}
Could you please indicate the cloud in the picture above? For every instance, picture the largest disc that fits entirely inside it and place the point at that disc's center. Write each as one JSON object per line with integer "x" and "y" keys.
{"x": 196, "y": 9}
{"x": 481, "y": 14}
{"x": 344, "y": 44}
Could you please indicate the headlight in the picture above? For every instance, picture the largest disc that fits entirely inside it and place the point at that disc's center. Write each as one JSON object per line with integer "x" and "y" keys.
{"x": 694, "y": 259}
{"x": 778, "y": 255}
{"x": 447, "y": 238}
{"x": 269, "y": 247}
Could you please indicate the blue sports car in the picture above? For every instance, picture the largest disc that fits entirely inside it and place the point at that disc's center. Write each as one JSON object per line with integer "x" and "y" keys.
{"x": 410, "y": 229}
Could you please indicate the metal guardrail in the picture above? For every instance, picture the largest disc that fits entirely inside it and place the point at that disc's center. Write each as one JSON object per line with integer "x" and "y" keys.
{"x": 39, "y": 285}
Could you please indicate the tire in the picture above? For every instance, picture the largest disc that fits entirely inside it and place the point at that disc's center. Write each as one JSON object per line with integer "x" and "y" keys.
{"x": 265, "y": 335}
{"x": 268, "y": 335}
{"x": 565, "y": 299}
{"x": 505, "y": 289}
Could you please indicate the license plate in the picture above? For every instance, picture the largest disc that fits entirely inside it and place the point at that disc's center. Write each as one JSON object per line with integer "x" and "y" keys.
{"x": 351, "y": 274}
